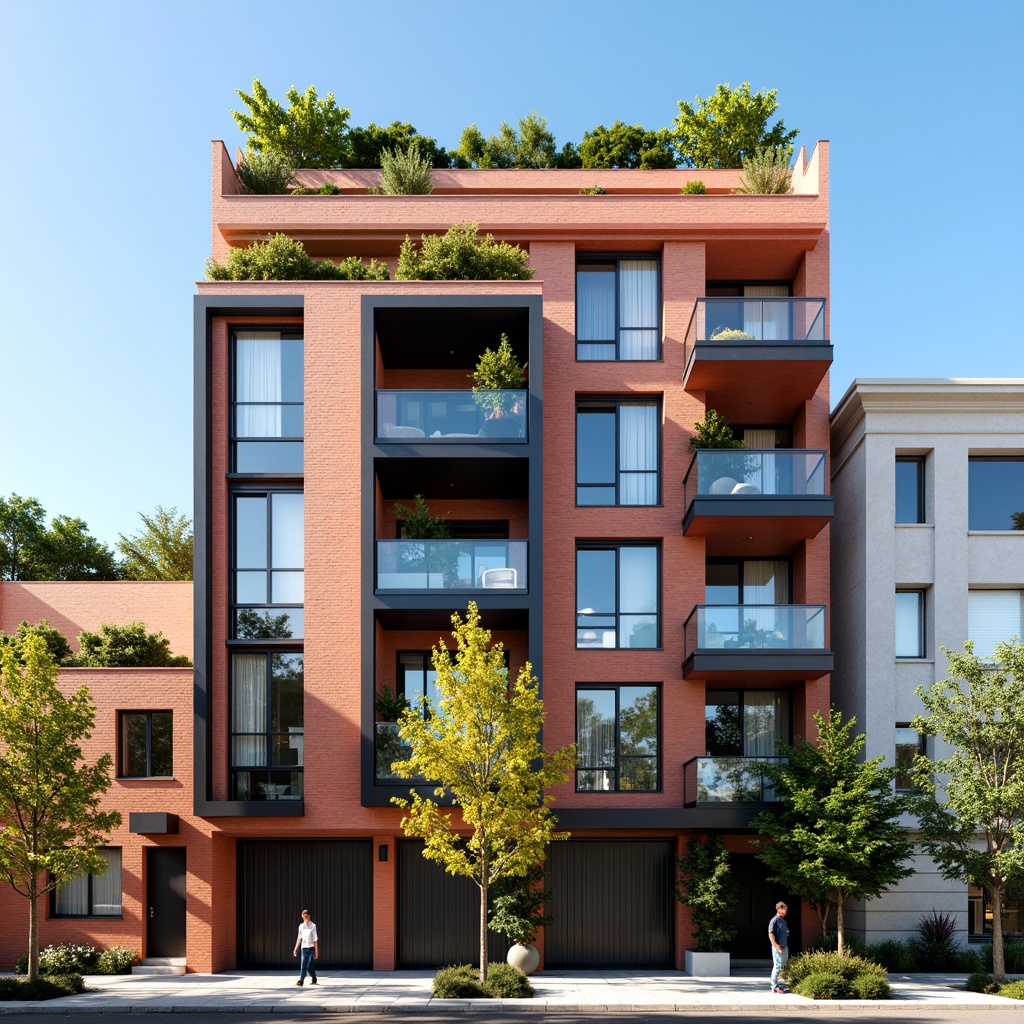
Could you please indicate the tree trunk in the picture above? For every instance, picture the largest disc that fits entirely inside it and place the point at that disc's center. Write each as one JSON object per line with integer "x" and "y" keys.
{"x": 33, "y": 933}
{"x": 998, "y": 962}
{"x": 840, "y": 928}
{"x": 483, "y": 912}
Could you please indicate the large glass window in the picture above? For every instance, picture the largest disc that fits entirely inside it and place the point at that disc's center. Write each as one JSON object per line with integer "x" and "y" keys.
{"x": 267, "y": 408}
{"x": 745, "y": 723}
{"x": 909, "y": 623}
{"x": 617, "y": 452}
{"x": 909, "y": 743}
{"x": 909, "y": 490}
{"x": 268, "y": 566}
{"x": 992, "y": 616}
{"x": 747, "y": 592}
{"x": 417, "y": 678}
{"x": 92, "y": 895}
{"x": 266, "y": 726}
{"x": 617, "y": 738}
{"x": 618, "y": 308}
{"x": 146, "y": 744}
{"x": 617, "y": 595}
{"x": 995, "y": 493}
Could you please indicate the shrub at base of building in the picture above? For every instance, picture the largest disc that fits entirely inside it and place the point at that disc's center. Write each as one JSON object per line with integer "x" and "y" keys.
{"x": 65, "y": 958}
{"x": 462, "y": 981}
{"x": 21, "y": 990}
{"x": 837, "y": 976}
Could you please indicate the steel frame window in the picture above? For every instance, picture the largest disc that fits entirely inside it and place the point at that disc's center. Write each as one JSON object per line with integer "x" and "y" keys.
{"x": 620, "y": 753}
{"x": 607, "y": 337}
{"x": 82, "y": 896}
{"x": 616, "y": 481}
{"x": 155, "y": 730}
{"x": 629, "y": 595}
{"x": 910, "y": 618}
{"x": 910, "y": 489}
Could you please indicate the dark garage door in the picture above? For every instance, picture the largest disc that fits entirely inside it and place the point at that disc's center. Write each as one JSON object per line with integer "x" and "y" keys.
{"x": 438, "y": 915}
{"x": 277, "y": 878}
{"x": 613, "y": 903}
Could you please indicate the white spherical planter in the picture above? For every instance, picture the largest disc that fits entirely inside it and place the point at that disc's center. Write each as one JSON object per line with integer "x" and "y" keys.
{"x": 524, "y": 959}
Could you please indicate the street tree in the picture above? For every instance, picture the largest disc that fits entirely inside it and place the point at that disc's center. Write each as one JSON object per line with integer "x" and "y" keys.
{"x": 971, "y": 802}
{"x": 479, "y": 743}
{"x": 311, "y": 133}
{"x": 837, "y": 836}
{"x": 51, "y": 824}
{"x": 721, "y": 129}
{"x": 162, "y": 550}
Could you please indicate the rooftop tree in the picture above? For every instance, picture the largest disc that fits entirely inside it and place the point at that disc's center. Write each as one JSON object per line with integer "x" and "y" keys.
{"x": 51, "y": 824}
{"x": 976, "y": 792}
{"x": 162, "y": 550}
{"x": 625, "y": 145}
{"x": 480, "y": 745}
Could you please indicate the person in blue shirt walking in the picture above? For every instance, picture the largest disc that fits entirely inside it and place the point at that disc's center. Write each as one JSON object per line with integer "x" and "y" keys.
{"x": 778, "y": 935}
{"x": 307, "y": 941}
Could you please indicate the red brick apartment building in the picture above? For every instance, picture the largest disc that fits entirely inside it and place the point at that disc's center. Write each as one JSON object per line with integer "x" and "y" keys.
{"x": 673, "y": 604}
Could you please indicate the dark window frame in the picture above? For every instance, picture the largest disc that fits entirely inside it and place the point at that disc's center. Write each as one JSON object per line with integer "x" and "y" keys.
{"x": 921, "y": 747}
{"x": 922, "y": 645}
{"x": 92, "y": 903}
{"x": 617, "y": 546}
{"x": 617, "y": 258}
{"x": 741, "y": 562}
{"x": 918, "y": 461}
{"x": 741, "y": 692}
{"x": 616, "y": 768}
{"x": 121, "y": 724}
{"x": 234, "y": 605}
{"x": 596, "y": 402}
{"x": 288, "y": 332}
{"x": 268, "y": 733}
{"x": 975, "y": 506}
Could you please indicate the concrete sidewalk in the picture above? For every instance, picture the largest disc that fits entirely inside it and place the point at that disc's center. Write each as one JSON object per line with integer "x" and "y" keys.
{"x": 409, "y": 991}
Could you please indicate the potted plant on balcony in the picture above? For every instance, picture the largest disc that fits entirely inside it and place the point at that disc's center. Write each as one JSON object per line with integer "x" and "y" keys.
{"x": 712, "y": 434}
{"x": 722, "y": 333}
{"x": 420, "y": 524}
{"x": 706, "y": 888}
{"x": 389, "y": 747}
{"x": 518, "y": 912}
{"x": 497, "y": 373}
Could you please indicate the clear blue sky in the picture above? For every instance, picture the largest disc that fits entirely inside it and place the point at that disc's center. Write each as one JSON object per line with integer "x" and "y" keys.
{"x": 105, "y": 178}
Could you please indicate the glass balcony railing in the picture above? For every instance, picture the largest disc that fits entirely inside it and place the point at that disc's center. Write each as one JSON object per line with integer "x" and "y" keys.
{"x": 728, "y": 780}
{"x": 782, "y": 321}
{"x": 745, "y": 627}
{"x": 744, "y": 471}
{"x": 451, "y": 564}
{"x": 447, "y": 415}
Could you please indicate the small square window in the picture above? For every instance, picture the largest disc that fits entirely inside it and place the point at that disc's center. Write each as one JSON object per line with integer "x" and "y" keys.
{"x": 146, "y": 744}
{"x": 995, "y": 493}
{"x": 92, "y": 895}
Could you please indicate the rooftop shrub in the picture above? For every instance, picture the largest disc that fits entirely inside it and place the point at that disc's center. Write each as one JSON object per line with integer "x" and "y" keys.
{"x": 459, "y": 255}
{"x": 693, "y": 188}
{"x": 405, "y": 172}
{"x": 264, "y": 174}
{"x": 125, "y": 647}
{"x": 281, "y": 258}
{"x": 767, "y": 172}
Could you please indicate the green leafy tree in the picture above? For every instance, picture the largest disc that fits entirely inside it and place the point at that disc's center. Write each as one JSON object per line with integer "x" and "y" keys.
{"x": 311, "y": 133}
{"x": 282, "y": 258}
{"x": 766, "y": 172}
{"x": 67, "y": 551}
{"x": 420, "y": 523}
{"x": 22, "y": 524}
{"x": 51, "y": 825}
{"x": 714, "y": 432}
{"x": 531, "y": 146}
{"x": 481, "y": 747}
{"x": 162, "y": 550}
{"x": 707, "y": 888}
{"x": 837, "y": 836}
{"x": 720, "y": 130}
{"x": 978, "y": 710}
{"x": 365, "y": 145}
{"x": 56, "y": 642}
{"x": 125, "y": 647}
{"x": 625, "y": 145}
{"x": 405, "y": 172}
{"x": 459, "y": 255}
{"x": 497, "y": 372}
{"x": 264, "y": 174}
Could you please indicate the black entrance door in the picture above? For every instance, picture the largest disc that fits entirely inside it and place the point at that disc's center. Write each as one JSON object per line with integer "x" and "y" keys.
{"x": 165, "y": 901}
{"x": 755, "y": 907}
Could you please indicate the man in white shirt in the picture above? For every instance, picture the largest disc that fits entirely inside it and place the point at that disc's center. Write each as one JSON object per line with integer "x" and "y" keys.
{"x": 307, "y": 942}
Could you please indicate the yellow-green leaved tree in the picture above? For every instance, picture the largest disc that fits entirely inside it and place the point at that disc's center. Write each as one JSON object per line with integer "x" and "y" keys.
{"x": 480, "y": 745}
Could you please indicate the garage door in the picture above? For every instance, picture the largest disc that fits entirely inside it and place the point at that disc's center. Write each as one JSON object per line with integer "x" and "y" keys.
{"x": 438, "y": 915}
{"x": 612, "y": 902}
{"x": 277, "y": 878}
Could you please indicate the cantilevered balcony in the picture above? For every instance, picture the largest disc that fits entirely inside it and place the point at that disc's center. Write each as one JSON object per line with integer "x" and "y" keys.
{"x": 451, "y": 416}
{"x": 756, "y": 643}
{"x": 753, "y": 500}
{"x": 727, "y": 780}
{"x": 451, "y": 565}
{"x": 756, "y": 360}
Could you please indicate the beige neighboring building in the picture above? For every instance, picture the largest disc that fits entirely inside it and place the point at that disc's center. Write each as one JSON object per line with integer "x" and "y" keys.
{"x": 927, "y": 476}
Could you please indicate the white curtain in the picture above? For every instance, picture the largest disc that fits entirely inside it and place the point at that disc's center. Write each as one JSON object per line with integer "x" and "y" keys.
{"x": 767, "y": 321}
{"x": 765, "y": 581}
{"x": 761, "y": 440}
{"x": 249, "y": 709}
{"x": 595, "y": 305}
{"x": 993, "y": 615}
{"x": 258, "y": 379}
{"x": 73, "y": 897}
{"x": 106, "y": 888}
{"x": 764, "y": 722}
{"x": 638, "y": 453}
{"x": 638, "y": 309}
